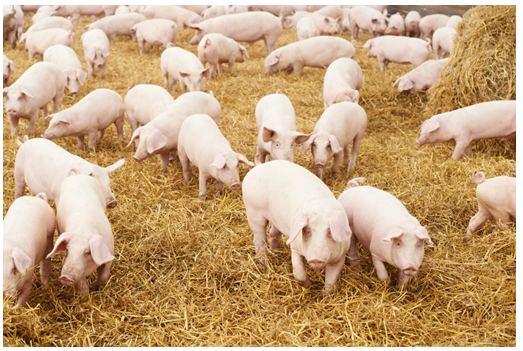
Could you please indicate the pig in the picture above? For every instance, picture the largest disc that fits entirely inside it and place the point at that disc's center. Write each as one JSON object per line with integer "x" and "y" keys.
{"x": 160, "y": 135}
{"x": 46, "y": 23}
{"x": 385, "y": 228}
{"x": 9, "y": 66}
{"x": 325, "y": 24}
{"x": 28, "y": 238}
{"x": 249, "y": 27}
{"x": 37, "y": 17}
{"x": 184, "y": 67}
{"x": 182, "y": 17}
{"x": 496, "y": 199}
{"x": 43, "y": 165}
{"x": 156, "y": 32}
{"x": 338, "y": 126}
{"x": 86, "y": 237}
{"x": 443, "y": 40}
{"x": 396, "y": 25}
{"x": 67, "y": 59}
{"x": 412, "y": 24}
{"x": 276, "y": 10}
{"x": 216, "y": 49}
{"x": 89, "y": 116}
{"x": 277, "y": 135}
{"x": 368, "y": 20}
{"x": 486, "y": 120}
{"x": 345, "y": 24}
{"x": 202, "y": 143}
{"x": 96, "y": 50}
{"x": 428, "y": 24}
{"x": 50, "y": 10}
{"x": 144, "y": 102}
{"x": 36, "y": 87}
{"x": 213, "y": 11}
{"x": 299, "y": 205}
{"x": 342, "y": 82}
{"x": 230, "y": 9}
{"x": 422, "y": 77}
{"x": 122, "y": 9}
{"x": 10, "y": 24}
{"x": 117, "y": 25}
{"x": 313, "y": 52}
{"x": 400, "y": 50}
{"x": 306, "y": 28}
{"x": 454, "y": 21}
{"x": 75, "y": 11}
{"x": 38, "y": 42}
{"x": 198, "y": 9}
{"x": 332, "y": 11}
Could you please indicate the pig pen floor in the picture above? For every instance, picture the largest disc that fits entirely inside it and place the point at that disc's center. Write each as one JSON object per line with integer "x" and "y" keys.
{"x": 185, "y": 271}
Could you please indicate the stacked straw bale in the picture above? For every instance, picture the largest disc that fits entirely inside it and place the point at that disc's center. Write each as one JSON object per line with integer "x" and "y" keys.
{"x": 185, "y": 271}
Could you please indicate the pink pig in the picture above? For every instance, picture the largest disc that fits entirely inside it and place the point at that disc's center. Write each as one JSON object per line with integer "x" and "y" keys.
{"x": 96, "y": 50}
{"x": 117, "y": 25}
{"x": 202, "y": 143}
{"x": 496, "y": 199}
{"x": 156, "y": 32}
{"x": 38, "y": 42}
{"x": 36, "y": 87}
{"x": 403, "y": 50}
{"x": 28, "y": 238}
{"x": 85, "y": 232}
{"x": 368, "y": 20}
{"x": 216, "y": 49}
{"x": 342, "y": 82}
{"x": 306, "y": 28}
{"x": 443, "y": 40}
{"x": 89, "y": 116}
{"x": 184, "y": 67}
{"x": 486, "y": 120}
{"x": 8, "y": 66}
{"x": 66, "y": 58}
{"x": 422, "y": 77}
{"x": 43, "y": 165}
{"x": 428, "y": 24}
{"x": 396, "y": 25}
{"x": 385, "y": 228}
{"x": 338, "y": 126}
{"x": 324, "y": 24}
{"x": 300, "y": 206}
{"x": 182, "y": 17}
{"x": 277, "y": 135}
{"x": 318, "y": 52}
{"x": 46, "y": 23}
{"x": 160, "y": 135}
{"x": 412, "y": 24}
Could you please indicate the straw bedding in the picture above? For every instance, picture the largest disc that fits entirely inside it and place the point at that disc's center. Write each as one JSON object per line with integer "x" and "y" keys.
{"x": 185, "y": 271}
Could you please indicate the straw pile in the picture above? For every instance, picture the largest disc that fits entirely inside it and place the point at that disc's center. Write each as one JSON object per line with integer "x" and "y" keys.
{"x": 185, "y": 271}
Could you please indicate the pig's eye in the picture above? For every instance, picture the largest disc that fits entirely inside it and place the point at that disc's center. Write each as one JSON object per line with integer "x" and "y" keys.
{"x": 306, "y": 232}
{"x": 313, "y": 144}
{"x": 329, "y": 234}
{"x": 87, "y": 253}
{"x": 398, "y": 242}
{"x": 6, "y": 97}
{"x": 277, "y": 144}
{"x": 292, "y": 144}
{"x": 328, "y": 145}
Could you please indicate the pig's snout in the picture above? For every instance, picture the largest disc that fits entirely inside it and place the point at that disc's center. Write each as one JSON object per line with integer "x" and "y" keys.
{"x": 319, "y": 165}
{"x": 410, "y": 271}
{"x": 236, "y": 186}
{"x": 112, "y": 203}
{"x": 65, "y": 280}
{"x": 316, "y": 263}
{"x": 137, "y": 159}
{"x": 73, "y": 93}
{"x": 11, "y": 111}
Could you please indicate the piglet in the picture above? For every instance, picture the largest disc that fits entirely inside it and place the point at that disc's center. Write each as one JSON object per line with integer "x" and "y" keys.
{"x": 337, "y": 127}
{"x": 396, "y": 25}
{"x": 156, "y": 32}
{"x": 202, "y": 143}
{"x": 38, "y": 42}
{"x": 89, "y": 116}
{"x": 403, "y": 50}
{"x": 368, "y": 20}
{"x": 496, "y": 199}
{"x": 422, "y": 77}
{"x": 277, "y": 135}
{"x": 46, "y": 23}
{"x": 184, "y": 67}
{"x": 306, "y": 28}
{"x": 117, "y": 25}
{"x": 96, "y": 50}
{"x": 343, "y": 81}
{"x": 181, "y": 16}
{"x": 85, "y": 232}
{"x": 454, "y": 21}
{"x": 412, "y": 24}
{"x": 66, "y": 58}
{"x": 216, "y": 49}
{"x": 300, "y": 206}
{"x": 43, "y": 165}
{"x": 385, "y": 228}
{"x": 443, "y": 41}
{"x": 324, "y": 24}
{"x": 28, "y": 238}
{"x": 486, "y": 120}
{"x": 9, "y": 66}
{"x": 428, "y": 24}
{"x": 40, "y": 84}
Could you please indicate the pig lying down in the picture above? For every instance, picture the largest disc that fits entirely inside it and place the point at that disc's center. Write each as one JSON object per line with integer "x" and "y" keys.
{"x": 385, "y": 228}
{"x": 486, "y": 120}
{"x": 300, "y": 206}
{"x": 496, "y": 199}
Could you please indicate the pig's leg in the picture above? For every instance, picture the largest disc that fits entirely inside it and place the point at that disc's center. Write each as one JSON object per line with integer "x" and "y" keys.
{"x": 354, "y": 32}
{"x": 261, "y": 154}
{"x": 354, "y": 256}
{"x": 140, "y": 44}
{"x": 383, "y": 62}
{"x": 354, "y": 152}
{"x": 119, "y": 126}
{"x": 164, "y": 159}
{"x": 219, "y": 187}
{"x": 467, "y": 150}
{"x": 101, "y": 134}
{"x": 81, "y": 141}
{"x": 186, "y": 166}
{"x": 403, "y": 279}
{"x": 298, "y": 69}
{"x": 19, "y": 182}
{"x": 231, "y": 64}
{"x": 57, "y": 100}
{"x": 90, "y": 68}
{"x": 44, "y": 113}
{"x": 101, "y": 69}
{"x": 459, "y": 150}
{"x": 213, "y": 71}
{"x": 202, "y": 181}
{"x": 31, "y": 54}
{"x": 92, "y": 141}
{"x": 346, "y": 155}
{"x": 258, "y": 225}
{"x": 23, "y": 296}
{"x": 13, "y": 121}
{"x": 82, "y": 287}
{"x": 332, "y": 272}
{"x": 299, "y": 269}
{"x": 45, "y": 265}
{"x": 183, "y": 86}
{"x": 274, "y": 237}
{"x": 335, "y": 162}
{"x": 103, "y": 274}
{"x": 381, "y": 270}
{"x": 31, "y": 125}
{"x": 477, "y": 221}
{"x": 166, "y": 80}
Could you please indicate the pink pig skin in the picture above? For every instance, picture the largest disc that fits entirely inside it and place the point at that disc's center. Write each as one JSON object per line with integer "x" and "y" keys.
{"x": 422, "y": 77}
{"x": 396, "y": 25}
{"x": 313, "y": 220}
{"x": 496, "y": 199}
{"x": 443, "y": 40}
{"x": 38, "y": 42}
{"x": 306, "y": 28}
{"x": 341, "y": 124}
{"x": 412, "y": 24}
{"x": 66, "y": 58}
{"x": 428, "y": 24}
{"x": 8, "y": 66}
{"x": 342, "y": 82}
{"x": 96, "y": 50}
{"x": 201, "y": 143}
{"x": 41, "y": 83}
{"x": 318, "y": 52}
{"x": 181, "y": 16}
{"x": 216, "y": 49}
{"x": 156, "y": 32}
{"x": 46, "y": 23}
{"x": 160, "y": 136}
{"x": 277, "y": 135}
{"x": 276, "y": 10}
{"x": 85, "y": 232}
{"x": 367, "y": 19}
{"x": 390, "y": 48}
{"x": 43, "y": 165}
{"x": 75, "y": 11}
{"x": 324, "y": 24}
{"x": 486, "y": 120}
{"x": 247, "y": 26}
{"x": 184, "y": 67}
{"x": 383, "y": 226}
{"x": 89, "y": 116}
{"x": 117, "y": 25}
{"x": 28, "y": 237}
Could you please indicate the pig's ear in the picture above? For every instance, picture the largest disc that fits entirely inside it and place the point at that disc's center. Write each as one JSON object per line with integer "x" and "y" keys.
{"x": 99, "y": 250}
{"x": 305, "y": 146}
{"x": 206, "y": 72}
{"x": 300, "y": 138}
{"x": 6, "y": 90}
{"x": 335, "y": 145}
{"x": 183, "y": 74}
{"x": 105, "y": 51}
{"x": 244, "y": 159}
{"x": 110, "y": 169}
{"x": 406, "y": 84}
{"x": 272, "y": 59}
{"x": 64, "y": 119}
{"x": 326, "y": 20}
{"x": 74, "y": 171}
{"x": 395, "y": 232}
{"x": 11, "y": 65}
{"x": 42, "y": 196}
{"x": 243, "y": 50}
{"x": 195, "y": 26}
{"x": 268, "y": 134}
{"x": 81, "y": 75}
{"x": 20, "y": 258}
{"x": 368, "y": 44}
{"x": 219, "y": 161}
{"x": 61, "y": 243}
{"x": 430, "y": 125}
{"x": 339, "y": 226}
{"x": 26, "y": 92}
{"x": 136, "y": 135}
{"x": 422, "y": 234}
{"x": 301, "y": 221}
{"x": 155, "y": 141}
